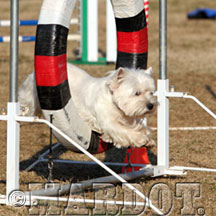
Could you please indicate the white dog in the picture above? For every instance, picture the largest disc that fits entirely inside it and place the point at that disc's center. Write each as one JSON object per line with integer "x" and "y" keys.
{"x": 112, "y": 106}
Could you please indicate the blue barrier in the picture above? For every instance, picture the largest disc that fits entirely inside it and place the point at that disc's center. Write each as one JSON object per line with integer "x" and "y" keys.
{"x": 28, "y": 22}
{"x": 6, "y": 23}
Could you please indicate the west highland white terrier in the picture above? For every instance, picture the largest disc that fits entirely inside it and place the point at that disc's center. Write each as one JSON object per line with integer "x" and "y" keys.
{"x": 113, "y": 106}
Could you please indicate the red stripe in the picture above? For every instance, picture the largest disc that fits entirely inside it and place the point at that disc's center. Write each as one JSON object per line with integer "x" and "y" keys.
{"x": 103, "y": 146}
{"x": 137, "y": 156}
{"x": 146, "y": 3}
{"x": 133, "y": 42}
{"x": 50, "y": 70}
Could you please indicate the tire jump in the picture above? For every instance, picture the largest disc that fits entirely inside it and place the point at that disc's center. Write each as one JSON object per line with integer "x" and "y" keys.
{"x": 51, "y": 64}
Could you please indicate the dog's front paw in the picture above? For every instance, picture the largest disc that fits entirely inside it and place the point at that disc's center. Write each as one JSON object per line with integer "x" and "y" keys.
{"x": 118, "y": 145}
{"x": 150, "y": 144}
{"x": 142, "y": 139}
{"x": 106, "y": 138}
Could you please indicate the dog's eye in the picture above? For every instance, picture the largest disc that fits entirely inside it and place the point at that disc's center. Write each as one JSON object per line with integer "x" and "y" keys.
{"x": 138, "y": 93}
{"x": 151, "y": 93}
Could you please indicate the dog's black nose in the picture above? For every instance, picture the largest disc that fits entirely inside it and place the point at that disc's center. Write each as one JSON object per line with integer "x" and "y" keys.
{"x": 150, "y": 106}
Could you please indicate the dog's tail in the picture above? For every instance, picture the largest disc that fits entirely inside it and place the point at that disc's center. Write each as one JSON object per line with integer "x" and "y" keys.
{"x": 27, "y": 97}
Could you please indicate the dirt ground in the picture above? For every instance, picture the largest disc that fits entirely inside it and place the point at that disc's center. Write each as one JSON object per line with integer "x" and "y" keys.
{"x": 191, "y": 68}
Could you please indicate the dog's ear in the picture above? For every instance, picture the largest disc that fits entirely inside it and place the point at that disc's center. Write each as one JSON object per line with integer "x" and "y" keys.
{"x": 149, "y": 71}
{"x": 117, "y": 79}
{"x": 120, "y": 74}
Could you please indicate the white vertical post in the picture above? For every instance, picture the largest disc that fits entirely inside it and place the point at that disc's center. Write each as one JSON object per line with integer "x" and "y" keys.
{"x": 13, "y": 129}
{"x": 13, "y": 146}
{"x": 92, "y": 30}
{"x": 163, "y": 124}
{"x": 111, "y": 40}
{"x": 163, "y": 88}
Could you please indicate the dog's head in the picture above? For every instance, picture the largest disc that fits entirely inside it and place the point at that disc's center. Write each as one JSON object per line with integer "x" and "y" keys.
{"x": 132, "y": 91}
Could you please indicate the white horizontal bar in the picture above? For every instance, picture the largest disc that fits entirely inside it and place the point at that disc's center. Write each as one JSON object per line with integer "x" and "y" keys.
{"x": 76, "y": 200}
{"x": 6, "y": 39}
{"x": 188, "y": 128}
{"x": 171, "y": 94}
{"x": 192, "y": 128}
{"x": 193, "y": 169}
{"x": 2, "y": 199}
{"x": 75, "y": 37}
{"x": 175, "y": 94}
{"x": 27, "y": 119}
{"x": 65, "y": 199}
{"x": 3, "y": 117}
{"x": 4, "y": 23}
{"x": 74, "y": 21}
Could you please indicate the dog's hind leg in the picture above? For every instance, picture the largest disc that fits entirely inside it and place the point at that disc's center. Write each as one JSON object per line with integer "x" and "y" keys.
{"x": 27, "y": 97}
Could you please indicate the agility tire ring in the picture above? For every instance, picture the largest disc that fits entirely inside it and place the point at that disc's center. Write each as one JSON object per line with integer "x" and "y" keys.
{"x": 132, "y": 33}
{"x": 51, "y": 76}
{"x": 51, "y": 66}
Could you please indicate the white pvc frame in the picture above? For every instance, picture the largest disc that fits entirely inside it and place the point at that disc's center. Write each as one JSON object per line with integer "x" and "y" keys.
{"x": 13, "y": 118}
{"x": 163, "y": 94}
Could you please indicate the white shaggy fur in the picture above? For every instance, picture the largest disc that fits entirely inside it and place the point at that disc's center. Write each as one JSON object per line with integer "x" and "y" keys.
{"x": 112, "y": 105}
{"x": 27, "y": 96}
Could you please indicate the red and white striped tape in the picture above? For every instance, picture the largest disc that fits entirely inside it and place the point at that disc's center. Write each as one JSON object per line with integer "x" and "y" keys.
{"x": 146, "y": 7}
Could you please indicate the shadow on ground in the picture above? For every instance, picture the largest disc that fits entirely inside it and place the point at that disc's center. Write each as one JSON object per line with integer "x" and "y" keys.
{"x": 74, "y": 172}
{"x": 209, "y": 89}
